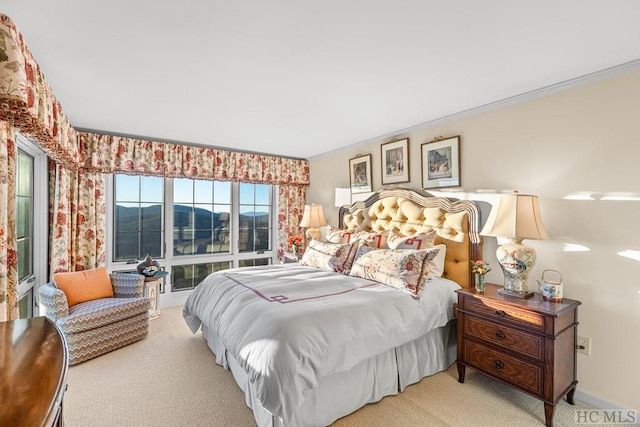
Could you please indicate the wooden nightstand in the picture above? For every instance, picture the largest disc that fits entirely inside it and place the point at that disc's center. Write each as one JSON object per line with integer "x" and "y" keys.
{"x": 529, "y": 344}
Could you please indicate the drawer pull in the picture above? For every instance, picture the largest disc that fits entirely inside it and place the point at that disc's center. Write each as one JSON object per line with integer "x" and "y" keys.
{"x": 499, "y": 313}
{"x": 498, "y": 364}
{"x": 500, "y": 335}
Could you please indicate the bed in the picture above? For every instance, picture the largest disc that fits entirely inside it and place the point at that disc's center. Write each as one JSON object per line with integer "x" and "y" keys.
{"x": 308, "y": 345}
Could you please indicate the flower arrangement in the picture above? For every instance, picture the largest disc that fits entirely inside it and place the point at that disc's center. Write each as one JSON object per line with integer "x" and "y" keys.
{"x": 480, "y": 267}
{"x": 295, "y": 240}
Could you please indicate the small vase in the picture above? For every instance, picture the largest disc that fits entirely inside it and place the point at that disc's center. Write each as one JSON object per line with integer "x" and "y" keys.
{"x": 480, "y": 286}
{"x": 296, "y": 249}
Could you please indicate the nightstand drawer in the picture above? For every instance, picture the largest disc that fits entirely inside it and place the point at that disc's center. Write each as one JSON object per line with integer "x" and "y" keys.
{"x": 505, "y": 313}
{"x": 520, "y": 342}
{"x": 526, "y": 376}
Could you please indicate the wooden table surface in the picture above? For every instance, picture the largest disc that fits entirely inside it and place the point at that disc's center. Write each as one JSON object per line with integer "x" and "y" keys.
{"x": 33, "y": 371}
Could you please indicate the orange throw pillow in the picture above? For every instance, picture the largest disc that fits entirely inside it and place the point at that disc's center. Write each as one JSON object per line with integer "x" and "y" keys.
{"x": 82, "y": 286}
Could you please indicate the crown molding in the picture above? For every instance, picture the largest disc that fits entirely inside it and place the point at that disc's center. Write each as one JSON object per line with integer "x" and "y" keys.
{"x": 606, "y": 73}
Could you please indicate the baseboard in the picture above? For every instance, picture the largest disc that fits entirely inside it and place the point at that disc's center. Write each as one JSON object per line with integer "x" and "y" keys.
{"x": 596, "y": 401}
{"x": 173, "y": 300}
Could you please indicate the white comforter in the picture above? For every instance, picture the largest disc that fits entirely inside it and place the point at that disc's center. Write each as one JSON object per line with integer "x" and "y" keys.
{"x": 289, "y": 325}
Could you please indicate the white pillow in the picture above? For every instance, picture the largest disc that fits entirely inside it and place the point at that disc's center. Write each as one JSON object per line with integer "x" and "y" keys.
{"x": 435, "y": 268}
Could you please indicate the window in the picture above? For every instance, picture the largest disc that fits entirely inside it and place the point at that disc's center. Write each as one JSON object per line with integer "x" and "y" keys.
{"x": 201, "y": 215}
{"x": 31, "y": 220}
{"x": 187, "y": 277}
{"x": 207, "y": 226}
{"x": 24, "y": 214}
{"x": 255, "y": 217}
{"x": 138, "y": 217}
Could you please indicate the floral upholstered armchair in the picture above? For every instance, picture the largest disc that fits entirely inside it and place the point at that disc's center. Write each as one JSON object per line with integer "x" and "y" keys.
{"x": 97, "y": 312}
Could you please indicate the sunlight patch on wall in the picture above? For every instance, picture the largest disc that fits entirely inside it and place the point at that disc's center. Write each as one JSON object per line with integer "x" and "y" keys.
{"x": 634, "y": 255}
{"x": 574, "y": 247}
{"x": 582, "y": 195}
{"x": 621, "y": 196}
{"x": 611, "y": 196}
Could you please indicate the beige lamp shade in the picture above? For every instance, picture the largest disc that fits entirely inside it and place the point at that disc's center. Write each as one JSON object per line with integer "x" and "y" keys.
{"x": 515, "y": 216}
{"x": 312, "y": 218}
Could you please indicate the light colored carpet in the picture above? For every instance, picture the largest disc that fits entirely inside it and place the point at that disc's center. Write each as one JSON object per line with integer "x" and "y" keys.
{"x": 171, "y": 379}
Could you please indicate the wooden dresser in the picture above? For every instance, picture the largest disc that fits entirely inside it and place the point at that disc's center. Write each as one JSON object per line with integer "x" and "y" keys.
{"x": 33, "y": 373}
{"x": 529, "y": 344}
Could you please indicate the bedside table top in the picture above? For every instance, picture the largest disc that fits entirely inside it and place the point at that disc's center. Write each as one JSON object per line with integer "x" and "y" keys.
{"x": 534, "y": 303}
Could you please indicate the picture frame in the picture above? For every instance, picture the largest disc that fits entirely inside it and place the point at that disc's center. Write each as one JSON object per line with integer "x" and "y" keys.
{"x": 394, "y": 165}
{"x": 360, "y": 174}
{"x": 441, "y": 163}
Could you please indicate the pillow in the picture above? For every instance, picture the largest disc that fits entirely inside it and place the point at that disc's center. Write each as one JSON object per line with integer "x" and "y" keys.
{"x": 337, "y": 235}
{"x": 327, "y": 255}
{"x": 373, "y": 239}
{"x": 82, "y": 286}
{"x": 416, "y": 241}
{"x": 400, "y": 268}
{"x": 436, "y": 266}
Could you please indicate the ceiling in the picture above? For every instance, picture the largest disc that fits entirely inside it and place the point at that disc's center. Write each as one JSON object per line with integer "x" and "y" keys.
{"x": 301, "y": 77}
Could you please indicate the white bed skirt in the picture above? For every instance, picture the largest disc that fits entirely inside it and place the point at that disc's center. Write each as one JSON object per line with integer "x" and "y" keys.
{"x": 341, "y": 394}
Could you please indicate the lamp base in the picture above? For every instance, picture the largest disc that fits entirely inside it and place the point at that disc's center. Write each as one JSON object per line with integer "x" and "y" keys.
{"x": 516, "y": 294}
{"x": 313, "y": 234}
{"x": 516, "y": 261}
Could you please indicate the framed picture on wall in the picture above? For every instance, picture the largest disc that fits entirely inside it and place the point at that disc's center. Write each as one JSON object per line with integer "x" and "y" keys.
{"x": 395, "y": 161}
{"x": 441, "y": 163}
{"x": 360, "y": 174}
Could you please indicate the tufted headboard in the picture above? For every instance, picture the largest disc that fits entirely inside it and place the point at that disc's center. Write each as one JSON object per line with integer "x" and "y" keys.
{"x": 409, "y": 212}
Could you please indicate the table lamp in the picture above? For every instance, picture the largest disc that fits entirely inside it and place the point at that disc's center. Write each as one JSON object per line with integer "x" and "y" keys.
{"x": 313, "y": 217}
{"x": 517, "y": 217}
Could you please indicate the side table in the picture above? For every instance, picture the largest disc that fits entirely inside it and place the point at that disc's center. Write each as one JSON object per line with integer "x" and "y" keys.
{"x": 152, "y": 291}
{"x": 291, "y": 257}
{"x": 529, "y": 344}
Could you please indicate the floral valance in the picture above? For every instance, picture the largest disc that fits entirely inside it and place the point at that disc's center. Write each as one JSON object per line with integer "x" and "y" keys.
{"x": 27, "y": 101}
{"x": 109, "y": 153}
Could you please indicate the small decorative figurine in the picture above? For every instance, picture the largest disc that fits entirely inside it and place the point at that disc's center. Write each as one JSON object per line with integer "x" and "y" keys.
{"x": 148, "y": 267}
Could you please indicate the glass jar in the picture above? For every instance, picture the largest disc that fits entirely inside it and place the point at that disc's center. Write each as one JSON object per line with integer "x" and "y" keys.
{"x": 480, "y": 285}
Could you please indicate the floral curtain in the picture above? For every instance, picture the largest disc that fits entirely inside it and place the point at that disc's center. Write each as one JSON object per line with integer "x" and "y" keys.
{"x": 291, "y": 199}
{"x": 77, "y": 208}
{"x": 8, "y": 245}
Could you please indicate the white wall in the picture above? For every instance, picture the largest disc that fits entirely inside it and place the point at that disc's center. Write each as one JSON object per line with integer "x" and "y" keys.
{"x": 584, "y": 139}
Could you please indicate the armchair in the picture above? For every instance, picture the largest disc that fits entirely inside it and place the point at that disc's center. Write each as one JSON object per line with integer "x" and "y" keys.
{"x": 95, "y": 327}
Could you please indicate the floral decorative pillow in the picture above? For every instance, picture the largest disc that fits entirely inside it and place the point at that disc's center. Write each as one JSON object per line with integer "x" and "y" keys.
{"x": 327, "y": 255}
{"x": 400, "y": 268}
{"x": 416, "y": 241}
{"x": 337, "y": 235}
